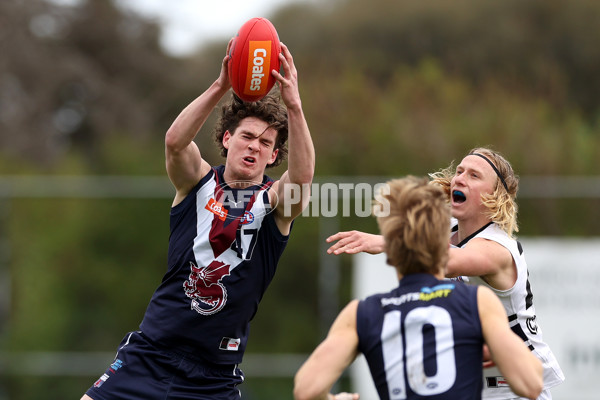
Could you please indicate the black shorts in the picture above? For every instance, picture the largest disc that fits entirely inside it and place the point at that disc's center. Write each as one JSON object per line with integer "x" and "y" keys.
{"x": 142, "y": 371}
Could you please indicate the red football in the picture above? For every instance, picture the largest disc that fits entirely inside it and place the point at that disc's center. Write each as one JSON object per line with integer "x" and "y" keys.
{"x": 253, "y": 54}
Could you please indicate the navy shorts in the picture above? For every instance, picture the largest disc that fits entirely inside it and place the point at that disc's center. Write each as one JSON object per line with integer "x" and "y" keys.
{"x": 142, "y": 371}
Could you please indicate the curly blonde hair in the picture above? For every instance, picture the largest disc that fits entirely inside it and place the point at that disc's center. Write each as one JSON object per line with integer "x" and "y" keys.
{"x": 501, "y": 203}
{"x": 417, "y": 226}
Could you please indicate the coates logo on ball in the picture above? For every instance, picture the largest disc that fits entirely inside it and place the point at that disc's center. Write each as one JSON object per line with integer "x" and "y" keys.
{"x": 253, "y": 54}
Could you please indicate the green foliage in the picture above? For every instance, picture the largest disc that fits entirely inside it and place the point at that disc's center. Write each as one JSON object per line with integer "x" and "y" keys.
{"x": 76, "y": 263}
{"x": 49, "y": 387}
{"x": 255, "y": 388}
{"x": 425, "y": 117}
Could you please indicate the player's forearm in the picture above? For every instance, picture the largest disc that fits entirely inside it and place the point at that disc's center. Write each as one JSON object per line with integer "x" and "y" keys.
{"x": 526, "y": 379}
{"x": 305, "y": 395}
{"x": 301, "y": 151}
{"x": 308, "y": 386}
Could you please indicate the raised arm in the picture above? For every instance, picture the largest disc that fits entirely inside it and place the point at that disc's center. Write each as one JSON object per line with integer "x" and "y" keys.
{"x": 316, "y": 376}
{"x": 301, "y": 153}
{"x": 516, "y": 362}
{"x": 185, "y": 165}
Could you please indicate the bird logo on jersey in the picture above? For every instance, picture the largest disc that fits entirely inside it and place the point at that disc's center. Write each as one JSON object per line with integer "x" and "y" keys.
{"x": 205, "y": 289}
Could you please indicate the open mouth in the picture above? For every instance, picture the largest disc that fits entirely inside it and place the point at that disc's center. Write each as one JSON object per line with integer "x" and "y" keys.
{"x": 250, "y": 160}
{"x": 458, "y": 196}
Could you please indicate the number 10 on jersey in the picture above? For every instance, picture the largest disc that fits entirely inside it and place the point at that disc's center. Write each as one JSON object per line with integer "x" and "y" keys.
{"x": 418, "y": 323}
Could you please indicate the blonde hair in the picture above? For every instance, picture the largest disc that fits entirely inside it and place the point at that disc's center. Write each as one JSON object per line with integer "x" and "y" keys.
{"x": 417, "y": 227}
{"x": 501, "y": 203}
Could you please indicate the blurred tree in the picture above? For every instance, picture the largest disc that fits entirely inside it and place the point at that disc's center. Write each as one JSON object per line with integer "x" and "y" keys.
{"x": 540, "y": 48}
{"x": 395, "y": 87}
{"x": 72, "y": 76}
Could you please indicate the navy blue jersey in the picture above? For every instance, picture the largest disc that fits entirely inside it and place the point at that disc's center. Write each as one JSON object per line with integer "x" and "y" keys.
{"x": 423, "y": 340}
{"x": 223, "y": 252}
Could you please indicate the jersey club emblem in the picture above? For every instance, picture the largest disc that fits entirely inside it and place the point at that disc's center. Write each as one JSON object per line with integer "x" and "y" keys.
{"x": 205, "y": 289}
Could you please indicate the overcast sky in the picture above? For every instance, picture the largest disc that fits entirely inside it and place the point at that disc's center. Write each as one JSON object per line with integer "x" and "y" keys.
{"x": 187, "y": 24}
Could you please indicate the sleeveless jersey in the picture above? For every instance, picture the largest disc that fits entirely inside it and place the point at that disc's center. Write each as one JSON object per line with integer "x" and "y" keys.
{"x": 518, "y": 303}
{"x": 223, "y": 252}
{"x": 423, "y": 340}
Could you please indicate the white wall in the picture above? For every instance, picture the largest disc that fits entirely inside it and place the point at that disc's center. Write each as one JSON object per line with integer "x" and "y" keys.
{"x": 565, "y": 280}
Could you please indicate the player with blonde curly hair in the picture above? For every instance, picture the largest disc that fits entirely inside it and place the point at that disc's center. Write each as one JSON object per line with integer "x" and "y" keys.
{"x": 501, "y": 204}
{"x": 481, "y": 191}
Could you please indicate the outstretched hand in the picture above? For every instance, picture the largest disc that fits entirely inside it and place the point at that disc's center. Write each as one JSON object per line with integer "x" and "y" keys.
{"x": 352, "y": 242}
